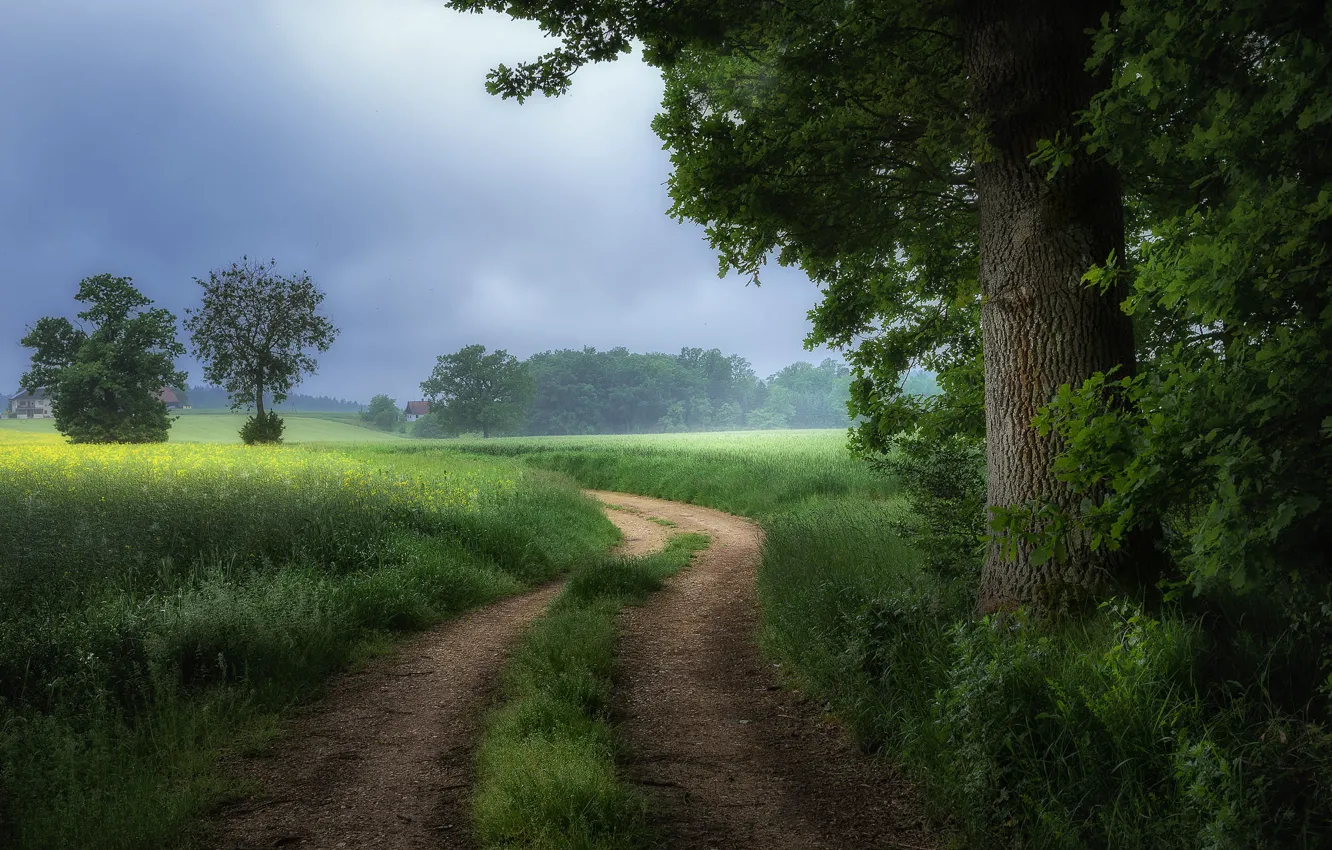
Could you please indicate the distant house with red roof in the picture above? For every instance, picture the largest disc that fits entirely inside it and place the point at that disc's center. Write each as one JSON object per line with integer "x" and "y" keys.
{"x": 170, "y": 399}
{"x": 416, "y": 409}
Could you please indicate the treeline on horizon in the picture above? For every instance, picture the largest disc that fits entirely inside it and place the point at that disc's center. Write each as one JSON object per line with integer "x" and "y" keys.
{"x": 216, "y": 398}
{"x": 617, "y": 391}
{"x": 622, "y": 392}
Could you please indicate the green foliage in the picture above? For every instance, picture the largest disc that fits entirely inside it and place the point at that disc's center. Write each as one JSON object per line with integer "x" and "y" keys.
{"x": 255, "y": 330}
{"x": 183, "y": 595}
{"x": 546, "y": 775}
{"x": 1219, "y": 116}
{"x": 835, "y": 137}
{"x": 104, "y": 382}
{"x": 262, "y": 428}
{"x": 428, "y": 428}
{"x": 944, "y": 481}
{"x": 617, "y": 391}
{"x": 471, "y": 391}
{"x": 382, "y": 413}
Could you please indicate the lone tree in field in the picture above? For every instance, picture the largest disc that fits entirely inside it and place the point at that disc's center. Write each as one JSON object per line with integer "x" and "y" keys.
{"x": 255, "y": 333}
{"x": 105, "y": 378}
{"x": 914, "y": 158}
{"x": 471, "y": 390}
{"x": 382, "y": 413}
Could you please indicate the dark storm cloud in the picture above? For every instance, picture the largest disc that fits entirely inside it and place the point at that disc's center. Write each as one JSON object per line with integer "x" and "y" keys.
{"x": 354, "y": 139}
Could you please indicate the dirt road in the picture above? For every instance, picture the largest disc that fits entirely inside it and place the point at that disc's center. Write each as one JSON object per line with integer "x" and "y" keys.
{"x": 730, "y": 759}
{"x": 386, "y": 759}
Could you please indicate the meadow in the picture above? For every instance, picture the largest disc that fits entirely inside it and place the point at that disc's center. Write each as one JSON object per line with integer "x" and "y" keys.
{"x": 197, "y": 427}
{"x": 162, "y": 605}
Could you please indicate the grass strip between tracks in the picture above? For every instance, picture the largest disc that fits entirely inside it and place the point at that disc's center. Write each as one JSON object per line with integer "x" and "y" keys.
{"x": 546, "y": 773}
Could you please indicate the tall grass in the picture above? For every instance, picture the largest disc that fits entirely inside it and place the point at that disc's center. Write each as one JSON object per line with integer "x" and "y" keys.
{"x": 158, "y": 604}
{"x": 546, "y": 773}
{"x": 1201, "y": 725}
{"x": 753, "y": 473}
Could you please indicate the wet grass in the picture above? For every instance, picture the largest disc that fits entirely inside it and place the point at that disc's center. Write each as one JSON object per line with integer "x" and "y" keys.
{"x": 546, "y": 771}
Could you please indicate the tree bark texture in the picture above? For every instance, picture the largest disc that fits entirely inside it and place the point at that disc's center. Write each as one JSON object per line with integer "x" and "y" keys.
{"x": 1042, "y": 327}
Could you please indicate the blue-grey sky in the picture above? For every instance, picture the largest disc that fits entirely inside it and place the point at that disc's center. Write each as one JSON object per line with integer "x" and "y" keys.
{"x": 354, "y": 139}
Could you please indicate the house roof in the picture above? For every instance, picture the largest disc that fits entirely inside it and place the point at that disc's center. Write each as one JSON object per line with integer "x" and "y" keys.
{"x": 168, "y": 396}
{"x": 420, "y": 408}
{"x": 41, "y": 393}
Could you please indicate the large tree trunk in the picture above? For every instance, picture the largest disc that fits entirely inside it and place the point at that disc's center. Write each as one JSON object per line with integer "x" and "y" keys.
{"x": 1041, "y": 326}
{"x": 259, "y": 401}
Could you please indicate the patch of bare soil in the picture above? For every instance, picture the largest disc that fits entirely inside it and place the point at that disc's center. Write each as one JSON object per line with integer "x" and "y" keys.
{"x": 641, "y": 534}
{"x": 729, "y": 758}
{"x": 386, "y": 759}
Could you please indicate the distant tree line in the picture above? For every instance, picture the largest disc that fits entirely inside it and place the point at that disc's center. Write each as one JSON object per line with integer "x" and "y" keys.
{"x": 586, "y": 391}
{"x": 216, "y": 398}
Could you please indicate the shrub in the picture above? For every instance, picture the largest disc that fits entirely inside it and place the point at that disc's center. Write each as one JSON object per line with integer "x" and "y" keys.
{"x": 262, "y": 428}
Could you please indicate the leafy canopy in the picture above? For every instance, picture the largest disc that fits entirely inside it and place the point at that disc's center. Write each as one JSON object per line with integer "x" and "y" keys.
{"x": 382, "y": 413}
{"x": 471, "y": 390}
{"x": 256, "y": 329}
{"x": 105, "y": 377}
{"x": 833, "y": 136}
{"x": 1219, "y": 115}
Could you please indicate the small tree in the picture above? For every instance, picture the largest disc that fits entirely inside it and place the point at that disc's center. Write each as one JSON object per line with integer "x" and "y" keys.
{"x": 382, "y": 413}
{"x": 254, "y": 333}
{"x": 105, "y": 381}
{"x": 476, "y": 391}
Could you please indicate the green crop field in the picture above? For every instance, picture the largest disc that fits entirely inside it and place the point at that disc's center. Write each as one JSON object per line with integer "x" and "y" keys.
{"x": 224, "y": 428}
{"x": 163, "y": 604}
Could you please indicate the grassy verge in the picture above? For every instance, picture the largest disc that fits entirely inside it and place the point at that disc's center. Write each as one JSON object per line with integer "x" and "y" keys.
{"x": 160, "y": 605}
{"x": 546, "y": 775}
{"x": 1203, "y": 724}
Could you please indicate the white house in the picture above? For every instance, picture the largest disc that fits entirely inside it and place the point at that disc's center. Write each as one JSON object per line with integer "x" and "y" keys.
{"x": 416, "y": 409}
{"x": 26, "y": 405}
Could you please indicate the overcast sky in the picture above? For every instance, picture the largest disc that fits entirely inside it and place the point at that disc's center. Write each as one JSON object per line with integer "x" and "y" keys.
{"x": 354, "y": 139}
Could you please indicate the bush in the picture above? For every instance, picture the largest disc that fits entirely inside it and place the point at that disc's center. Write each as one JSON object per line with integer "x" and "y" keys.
{"x": 943, "y": 479}
{"x": 263, "y": 428}
{"x": 1126, "y": 729}
{"x": 428, "y": 428}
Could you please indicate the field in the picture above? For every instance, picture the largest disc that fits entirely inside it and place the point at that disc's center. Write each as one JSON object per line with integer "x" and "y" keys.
{"x": 219, "y": 428}
{"x": 162, "y": 605}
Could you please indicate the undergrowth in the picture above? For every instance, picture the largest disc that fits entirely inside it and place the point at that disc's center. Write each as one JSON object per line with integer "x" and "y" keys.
{"x": 546, "y": 775}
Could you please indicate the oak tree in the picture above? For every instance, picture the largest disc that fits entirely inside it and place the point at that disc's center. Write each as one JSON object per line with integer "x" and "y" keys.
{"x": 106, "y": 374}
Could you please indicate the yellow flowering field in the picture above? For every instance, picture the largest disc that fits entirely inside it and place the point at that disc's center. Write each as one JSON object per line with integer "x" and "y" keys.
{"x": 84, "y": 513}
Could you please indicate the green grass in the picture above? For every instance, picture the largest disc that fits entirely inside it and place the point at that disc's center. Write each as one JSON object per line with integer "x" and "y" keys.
{"x": 546, "y": 775}
{"x": 182, "y": 596}
{"x": 1202, "y": 725}
{"x": 225, "y": 428}
{"x": 752, "y": 473}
